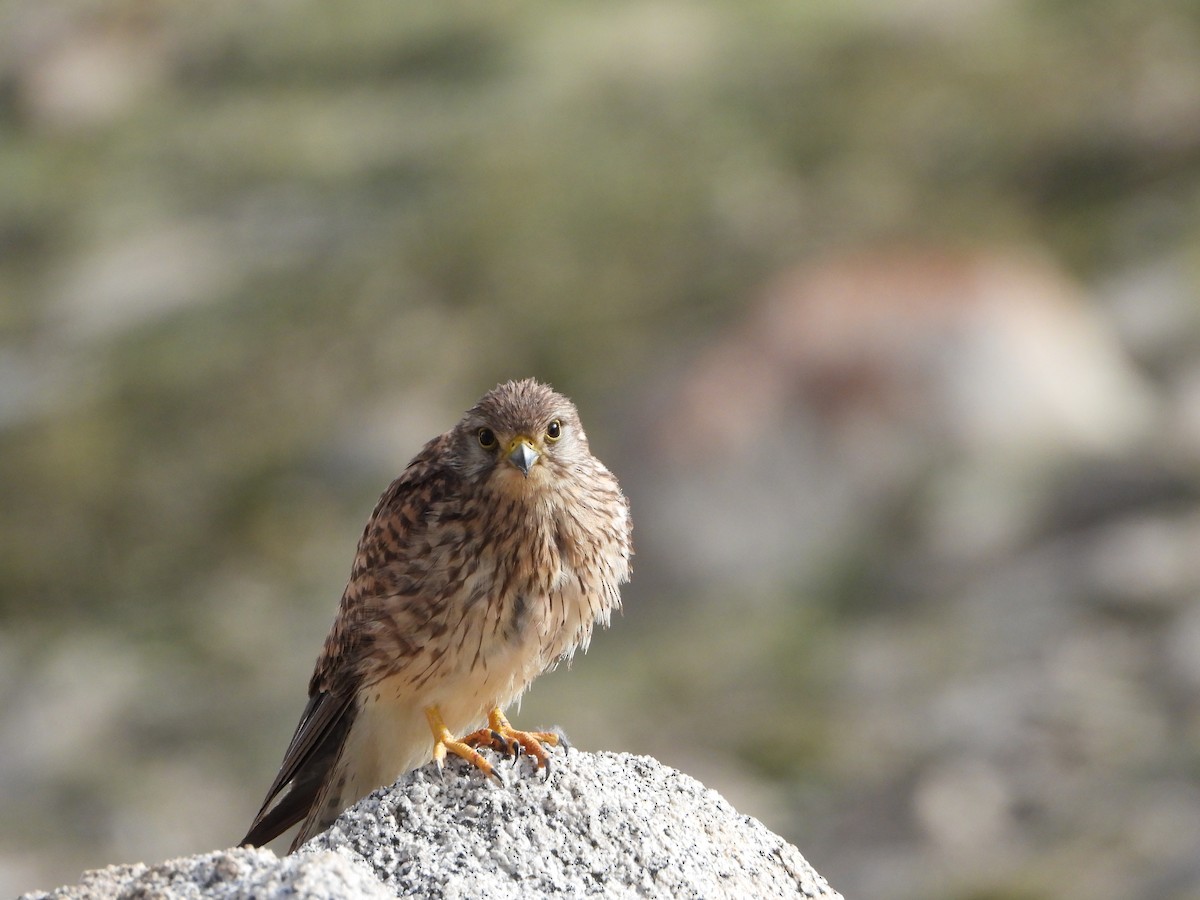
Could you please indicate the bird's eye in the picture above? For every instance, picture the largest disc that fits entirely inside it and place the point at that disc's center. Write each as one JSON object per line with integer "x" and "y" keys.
{"x": 487, "y": 438}
{"x": 554, "y": 430}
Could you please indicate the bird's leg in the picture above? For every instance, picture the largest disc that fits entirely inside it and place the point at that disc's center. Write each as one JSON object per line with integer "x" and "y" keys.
{"x": 444, "y": 741}
{"x": 503, "y": 736}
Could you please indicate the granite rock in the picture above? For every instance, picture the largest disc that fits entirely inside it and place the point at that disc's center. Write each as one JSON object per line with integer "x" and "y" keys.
{"x": 603, "y": 824}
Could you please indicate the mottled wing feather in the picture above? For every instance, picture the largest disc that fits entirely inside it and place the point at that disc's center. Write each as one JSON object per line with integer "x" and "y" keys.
{"x": 346, "y": 658}
{"x": 397, "y": 585}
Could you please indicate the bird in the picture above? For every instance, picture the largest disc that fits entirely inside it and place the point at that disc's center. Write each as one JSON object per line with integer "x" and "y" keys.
{"x": 486, "y": 562}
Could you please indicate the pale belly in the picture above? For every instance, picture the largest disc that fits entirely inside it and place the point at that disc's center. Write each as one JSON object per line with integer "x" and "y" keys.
{"x": 391, "y": 735}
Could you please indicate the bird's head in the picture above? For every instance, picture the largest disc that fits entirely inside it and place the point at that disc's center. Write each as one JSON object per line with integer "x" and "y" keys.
{"x": 520, "y": 436}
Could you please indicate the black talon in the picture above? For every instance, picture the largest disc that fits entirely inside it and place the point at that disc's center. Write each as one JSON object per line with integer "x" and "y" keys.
{"x": 562, "y": 740}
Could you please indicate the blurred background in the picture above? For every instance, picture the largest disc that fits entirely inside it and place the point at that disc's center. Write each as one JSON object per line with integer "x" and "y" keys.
{"x": 887, "y": 315}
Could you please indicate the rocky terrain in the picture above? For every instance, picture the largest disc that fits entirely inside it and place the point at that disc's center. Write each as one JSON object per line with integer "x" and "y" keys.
{"x": 610, "y": 825}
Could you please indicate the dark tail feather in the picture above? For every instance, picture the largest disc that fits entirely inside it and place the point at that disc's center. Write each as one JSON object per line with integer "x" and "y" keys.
{"x": 283, "y": 815}
{"x": 308, "y": 763}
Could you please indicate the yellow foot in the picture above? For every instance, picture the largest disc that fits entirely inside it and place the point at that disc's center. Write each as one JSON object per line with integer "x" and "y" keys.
{"x": 501, "y": 736}
{"x": 444, "y": 741}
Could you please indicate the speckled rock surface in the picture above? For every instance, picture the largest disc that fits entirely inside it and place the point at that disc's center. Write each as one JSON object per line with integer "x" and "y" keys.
{"x": 240, "y": 874}
{"x": 605, "y": 824}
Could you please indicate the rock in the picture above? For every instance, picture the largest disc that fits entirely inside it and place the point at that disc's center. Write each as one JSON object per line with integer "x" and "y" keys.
{"x": 603, "y": 824}
{"x": 239, "y": 874}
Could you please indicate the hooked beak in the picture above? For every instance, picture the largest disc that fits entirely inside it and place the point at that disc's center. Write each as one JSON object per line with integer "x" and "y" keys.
{"x": 522, "y": 454}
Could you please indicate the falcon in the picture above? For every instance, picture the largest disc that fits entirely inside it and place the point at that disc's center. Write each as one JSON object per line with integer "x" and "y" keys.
{"x": 489, "y": 559}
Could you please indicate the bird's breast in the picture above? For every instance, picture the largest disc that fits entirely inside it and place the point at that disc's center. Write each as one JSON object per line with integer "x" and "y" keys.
{"x": 481, "y": 611}
{"x": 523, "y": 603}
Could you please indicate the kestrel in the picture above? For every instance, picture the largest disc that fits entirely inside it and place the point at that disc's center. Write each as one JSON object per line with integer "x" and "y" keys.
{"x": 485, "y": 563}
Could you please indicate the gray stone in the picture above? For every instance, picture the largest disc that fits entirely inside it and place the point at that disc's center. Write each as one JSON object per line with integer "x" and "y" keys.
{"x": 604, "y": 824}
{"x": 239, "y": 874}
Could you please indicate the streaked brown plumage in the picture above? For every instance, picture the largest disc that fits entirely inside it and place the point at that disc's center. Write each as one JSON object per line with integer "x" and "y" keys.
{"x": 488, "y": 560}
